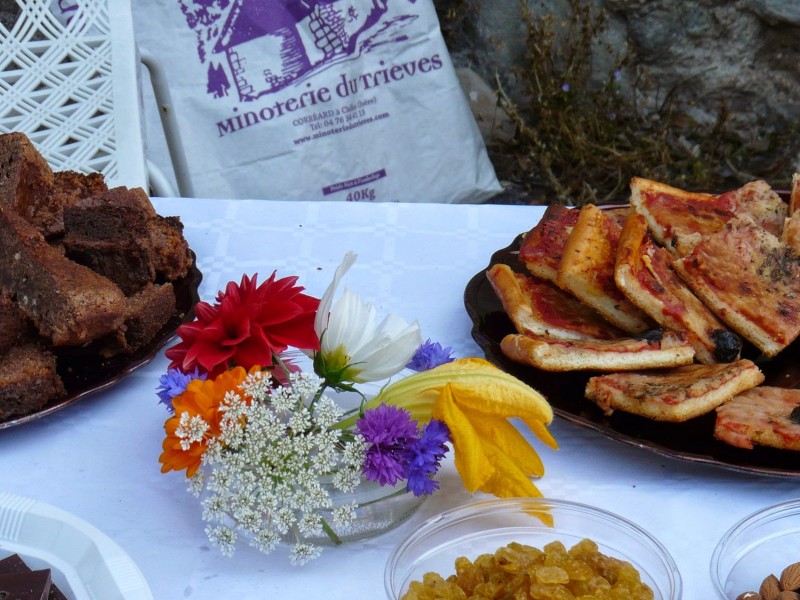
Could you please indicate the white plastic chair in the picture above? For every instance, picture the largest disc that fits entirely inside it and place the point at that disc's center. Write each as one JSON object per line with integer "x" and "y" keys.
{"x": 69, "y": 80}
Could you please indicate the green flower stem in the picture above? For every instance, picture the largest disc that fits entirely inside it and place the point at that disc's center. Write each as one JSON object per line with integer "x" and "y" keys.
{"x": 317, "y": 396}
{"x": 331, "y": 533}
{"x": 277, "y": 360}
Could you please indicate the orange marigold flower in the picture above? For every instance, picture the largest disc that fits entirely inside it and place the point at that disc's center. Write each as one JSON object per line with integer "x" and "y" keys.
{"x": 201, "y": 399}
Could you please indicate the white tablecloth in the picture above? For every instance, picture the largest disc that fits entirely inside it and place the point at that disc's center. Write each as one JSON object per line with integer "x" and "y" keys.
{"x": 98, "y": 458}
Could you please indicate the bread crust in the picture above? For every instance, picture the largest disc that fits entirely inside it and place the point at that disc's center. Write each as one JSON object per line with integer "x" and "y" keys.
{"x": 587, "y": 270}
{"x": 550, "y": 354}
{"x": 675, "y": 395}
{"x": 538, "y": 307}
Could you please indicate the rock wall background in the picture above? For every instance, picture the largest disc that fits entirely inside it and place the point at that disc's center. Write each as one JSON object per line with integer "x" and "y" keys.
{"x": 743, "y": 54}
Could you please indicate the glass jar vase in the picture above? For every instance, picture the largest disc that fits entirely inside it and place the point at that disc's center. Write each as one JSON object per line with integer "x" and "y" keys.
{"x": 379, "y": 509}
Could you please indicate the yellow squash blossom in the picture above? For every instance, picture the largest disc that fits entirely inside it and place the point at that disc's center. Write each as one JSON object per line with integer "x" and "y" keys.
{"x": 475, "y": 399}
{"x": 201, "y": 400}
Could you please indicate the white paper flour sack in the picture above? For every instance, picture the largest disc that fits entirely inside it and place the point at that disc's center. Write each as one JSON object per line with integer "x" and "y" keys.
{"x": 317, "y": 100}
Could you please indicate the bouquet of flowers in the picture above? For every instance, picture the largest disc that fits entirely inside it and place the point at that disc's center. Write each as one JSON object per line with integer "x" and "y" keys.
{"x": 264, "y": 442}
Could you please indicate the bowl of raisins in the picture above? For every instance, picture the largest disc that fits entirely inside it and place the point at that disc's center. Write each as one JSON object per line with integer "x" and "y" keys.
{"x": 531, "y": 548}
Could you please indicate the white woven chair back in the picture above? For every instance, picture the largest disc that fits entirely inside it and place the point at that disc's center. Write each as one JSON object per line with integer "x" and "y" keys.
{"x": 68, "y": 79}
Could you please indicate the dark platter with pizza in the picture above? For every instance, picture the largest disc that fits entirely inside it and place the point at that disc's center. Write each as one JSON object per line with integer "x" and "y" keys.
{"x": 691, "y": 440}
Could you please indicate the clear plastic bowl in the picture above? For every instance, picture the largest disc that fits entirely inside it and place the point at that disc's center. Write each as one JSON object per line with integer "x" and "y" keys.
{"x": 757, "y": 546}
{"x": 484, "y": 527}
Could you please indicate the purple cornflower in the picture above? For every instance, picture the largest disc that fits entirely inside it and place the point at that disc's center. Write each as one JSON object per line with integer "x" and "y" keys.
{"x": 565, "y": 87}
{"x": 430, "y": 355}
{"x": 389, "y": 433}
{"x": 173, "y": 383}
{"x": 425, "y": 457}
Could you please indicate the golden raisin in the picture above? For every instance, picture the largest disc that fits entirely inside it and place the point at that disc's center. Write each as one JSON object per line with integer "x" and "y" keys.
{"x": 520, "y": 572}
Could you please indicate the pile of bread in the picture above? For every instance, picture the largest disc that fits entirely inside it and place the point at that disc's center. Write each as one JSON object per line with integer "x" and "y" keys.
{"x": 81, "y": 266}
{"x": 661, "y": 296}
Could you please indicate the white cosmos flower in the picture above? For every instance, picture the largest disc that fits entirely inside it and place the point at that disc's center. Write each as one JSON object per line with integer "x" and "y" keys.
{"x": 354, "y": 347}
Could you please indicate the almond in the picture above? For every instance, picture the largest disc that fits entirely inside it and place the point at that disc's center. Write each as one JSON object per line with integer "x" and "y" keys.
{"x": 749, "y": 596}
{"x": 790, "y": 577}
{"x": 770, "y": 588}
{"x": 788, "y": 595}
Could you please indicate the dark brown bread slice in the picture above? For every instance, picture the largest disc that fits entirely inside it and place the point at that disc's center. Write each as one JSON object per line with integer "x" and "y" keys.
{"x": 119, "y": 213}
{"x": 28, "y": 380}
{"x": 171, "y": 253}
{"x": 25, "y": 176}
{"x": 68, "y": 188}
{"x": 128, "y": 263}
{"x": 13, "y": 325}
{"x": 146, "y": 313}
{"x": 68, "y": 303}
{"x": 109, "y": 233}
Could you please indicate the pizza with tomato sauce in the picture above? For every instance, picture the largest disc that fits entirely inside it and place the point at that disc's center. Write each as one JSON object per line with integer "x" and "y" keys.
{"x": 543, "y": 245}
{"x": 660, "y": 351}
{"x": 679, "y": 219}
{"x": 750, "y": 280}
{"x": 644, "y": 273}
{"x": 586, "y": 270}
{"x": 766, "y": 416}
{"x": 674, "y": 395}
{"x": 539, "y": 307}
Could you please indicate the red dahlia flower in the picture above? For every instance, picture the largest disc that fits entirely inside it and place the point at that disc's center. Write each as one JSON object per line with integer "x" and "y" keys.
{"x": 246, "y": 326}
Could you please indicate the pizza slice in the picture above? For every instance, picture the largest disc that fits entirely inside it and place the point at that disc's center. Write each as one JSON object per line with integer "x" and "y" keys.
{"x": 791, "y": 232}
{"x": 794, "y": 195}
{"x": 587, "y": 270}
{"x": 750, "y": 280}
{"x": 791, "y": 226}
{"x": 644, "y": 273}
{"x": 618, "y": 214}
{"x": 758, "y": 201}
{"x": 679, "y": 219}
{"x": 539, "y": 307}
{"x": 768, "y": 416}
{"x": 551, "y": 354}
{"x": 676, "y": 218}
{"x": 543, "y": 245}
{"x": 675, "y": 395}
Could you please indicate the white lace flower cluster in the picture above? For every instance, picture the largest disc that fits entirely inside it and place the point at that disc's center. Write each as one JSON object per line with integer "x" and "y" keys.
{"x": 269, "y": 475}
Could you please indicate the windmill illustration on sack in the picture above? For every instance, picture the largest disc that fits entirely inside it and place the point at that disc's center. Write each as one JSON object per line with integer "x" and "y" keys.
{"x": 258, "y": 47}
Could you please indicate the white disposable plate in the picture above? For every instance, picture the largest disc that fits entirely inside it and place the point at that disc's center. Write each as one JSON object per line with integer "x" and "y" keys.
{"x": 85, "y": 563}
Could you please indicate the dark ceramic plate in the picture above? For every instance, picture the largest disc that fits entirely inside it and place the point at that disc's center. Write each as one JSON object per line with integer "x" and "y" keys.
{"x": 85, "y": 372}
{"x": 692, "y": 441}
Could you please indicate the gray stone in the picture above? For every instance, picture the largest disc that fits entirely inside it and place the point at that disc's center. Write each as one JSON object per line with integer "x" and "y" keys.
{"x": 743, "y": 54}
{"x": 777, "y": 11}
{"x": 493, "y": 123}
